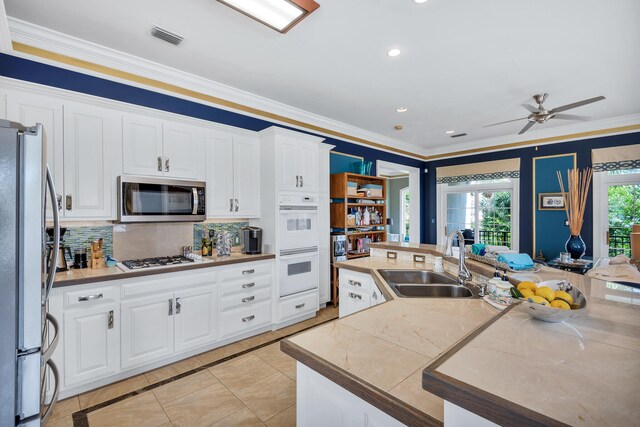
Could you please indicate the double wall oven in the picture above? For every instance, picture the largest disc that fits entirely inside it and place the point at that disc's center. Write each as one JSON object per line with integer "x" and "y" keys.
{"x": 298, "y": 243}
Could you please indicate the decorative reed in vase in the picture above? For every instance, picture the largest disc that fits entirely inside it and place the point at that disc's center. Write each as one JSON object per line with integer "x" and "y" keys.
{"x": 575, "y": 203}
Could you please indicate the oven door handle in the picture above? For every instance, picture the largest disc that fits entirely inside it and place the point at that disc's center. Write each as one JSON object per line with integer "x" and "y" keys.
{"x": 194, "y": 192}
{"x": 302, "y": 251}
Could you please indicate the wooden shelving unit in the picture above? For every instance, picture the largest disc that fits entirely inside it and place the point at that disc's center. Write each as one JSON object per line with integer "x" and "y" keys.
{"x": 344, "y": 204}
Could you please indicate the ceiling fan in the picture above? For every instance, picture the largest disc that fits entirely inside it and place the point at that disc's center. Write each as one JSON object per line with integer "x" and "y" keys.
{"x": 540, "y": 115}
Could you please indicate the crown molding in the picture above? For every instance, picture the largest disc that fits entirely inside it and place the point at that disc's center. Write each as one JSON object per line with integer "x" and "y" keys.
{"x": 573, "y": 132}
{"x": 231, "y": 99}
{"x": 5, "y": 34}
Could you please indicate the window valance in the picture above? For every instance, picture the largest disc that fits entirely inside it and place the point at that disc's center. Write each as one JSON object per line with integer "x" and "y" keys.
{"x": 497, "y": 169}
{"x": 616, "y": 158}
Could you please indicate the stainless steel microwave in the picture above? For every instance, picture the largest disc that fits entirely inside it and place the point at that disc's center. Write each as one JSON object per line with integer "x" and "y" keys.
{"x": 142, "y": 199}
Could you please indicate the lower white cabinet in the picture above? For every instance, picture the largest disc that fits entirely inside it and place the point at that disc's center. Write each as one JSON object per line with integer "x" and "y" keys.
{"x": 357, "y": 292}
{"x": 196, "y": 317}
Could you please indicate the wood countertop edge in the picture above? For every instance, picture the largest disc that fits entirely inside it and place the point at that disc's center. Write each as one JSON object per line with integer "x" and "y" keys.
{"x": 382, "y": 400}
{"x": 151, "y": 272}
{"x": 487, "y": 405}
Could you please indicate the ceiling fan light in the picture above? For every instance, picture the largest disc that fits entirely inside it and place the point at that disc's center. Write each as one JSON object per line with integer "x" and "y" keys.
{"x": 281, "y": 15}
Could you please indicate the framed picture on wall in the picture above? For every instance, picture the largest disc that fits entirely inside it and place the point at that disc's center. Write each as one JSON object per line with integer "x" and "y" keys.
{"x": 550, "y": 202}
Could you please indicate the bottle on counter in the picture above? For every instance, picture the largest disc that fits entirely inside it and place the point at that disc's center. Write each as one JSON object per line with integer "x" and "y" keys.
{"x": 206, "y": 246}
{"x": 493, "y": 282}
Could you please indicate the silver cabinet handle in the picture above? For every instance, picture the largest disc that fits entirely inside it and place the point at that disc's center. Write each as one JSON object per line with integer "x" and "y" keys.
{"x": 297, "y": 181}
{"x": 69, "y": 202}
{"x": 178, "y": 305}
{"x": 159, "y": 164}
{"x": 170, "y": 306}
{"x": 166, "y": 164}
{"x": 90, "y": 297}
{"x": 248, "y": 318}
{"x": 237, "y": 205}
{"x": 374, "y": 295}
{"x": 249, "y": 299}
{"x": 248, "y": 285}
{"x": 355, "y": 283}
{"x": 110, "y": 320}
{"x": 59, "y": 199}
{"x": 251, "y": 271}
{"x": 355, "y": 296}
{"x": 230, "y": 205}
{"x": 299, "y": 306}
{"x": 301, "y": 181}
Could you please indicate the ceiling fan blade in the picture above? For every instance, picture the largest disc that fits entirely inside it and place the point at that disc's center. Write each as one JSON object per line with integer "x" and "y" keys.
{"x": 530, "y": 108}
{"x": 571, "y": 117}
{"x": 508, "y": 121}
{"x": 526, "y": 127}
{"x": 577, "y": 104}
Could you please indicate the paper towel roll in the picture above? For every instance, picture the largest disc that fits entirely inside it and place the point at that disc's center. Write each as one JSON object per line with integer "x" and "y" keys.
{"x": 635, "y": 245}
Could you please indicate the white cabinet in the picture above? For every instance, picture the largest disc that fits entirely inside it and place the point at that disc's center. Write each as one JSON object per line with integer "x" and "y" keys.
{"x": 233, "y": 176}
{"x": 297, "y": 165}
{"x": 91, "y": 343}
{"x": 324, "y": 266}
{"x": 358, "y": 291}
{"x": 146, "y": 329}
{"x": 195, "y": 317}
{"x": 324, "y": 224}
{"x": 92, "y": 141}
{"x": 157, "y": 147}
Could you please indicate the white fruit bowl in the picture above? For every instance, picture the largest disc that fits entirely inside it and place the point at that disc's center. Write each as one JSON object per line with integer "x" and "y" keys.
{"x": 551, "y": 314}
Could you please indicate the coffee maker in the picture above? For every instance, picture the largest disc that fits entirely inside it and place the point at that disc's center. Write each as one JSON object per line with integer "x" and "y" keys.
{"x": 63, "y": 250}
{"x": 251, "y": 240}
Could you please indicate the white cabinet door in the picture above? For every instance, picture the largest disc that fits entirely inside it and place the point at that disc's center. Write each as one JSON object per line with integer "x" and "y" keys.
{"x": 146, "y": 329}
{"x": 306, "y": 159}
{"x": 324, "y": 266}
{"x": 184, "y": 151}
{"x": 324, "y": 168}
{"x": 29, "y": 109}
{"x": 92, "y": 137}
{"x": 196, "y": 313}
{"x": 288, "y": 177}
{"x": 246, "y": 173}
{"x": 91, "y": 343}
{"x": 142, "y": 145}
{"x": 220, "y": 167}
{"x": 377, "y": 297}
{"x": 352, "y": 301}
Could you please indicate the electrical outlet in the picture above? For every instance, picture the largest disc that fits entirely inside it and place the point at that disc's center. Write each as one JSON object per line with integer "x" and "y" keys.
{"x": 566, "y": 222}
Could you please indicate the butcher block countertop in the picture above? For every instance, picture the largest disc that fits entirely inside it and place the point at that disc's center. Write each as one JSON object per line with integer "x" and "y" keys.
{"x": 408, "y": 355}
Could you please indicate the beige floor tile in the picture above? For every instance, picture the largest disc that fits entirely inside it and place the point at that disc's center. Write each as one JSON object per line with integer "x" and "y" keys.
{"x": 111, "y": 391}
{"x": 222, "y": 352}
{"x": 242, "y": 418}
{"x": 279, "y": 360}
{"x": 203, "y": 407}
{"x": 64, "y": 421}
{"x": 65, "y": 407}
{"x": 237, "y": 374}
{"x": 140, "y": 411}
{"x": 187, "y": 385}
{"x": 269, "y": 396}
{"x": 286, "y": 418}
{"x": 172, "y": 370}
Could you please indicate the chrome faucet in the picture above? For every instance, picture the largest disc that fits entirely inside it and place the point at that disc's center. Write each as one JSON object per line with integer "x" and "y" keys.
{"x": 464, "y": 275}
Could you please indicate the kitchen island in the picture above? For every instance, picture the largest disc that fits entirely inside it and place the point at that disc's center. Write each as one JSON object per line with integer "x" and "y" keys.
{"x": 429, "y": 361}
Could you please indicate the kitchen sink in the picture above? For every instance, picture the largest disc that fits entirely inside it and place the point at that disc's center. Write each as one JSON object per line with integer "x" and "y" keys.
{"x": 425, "y": 284}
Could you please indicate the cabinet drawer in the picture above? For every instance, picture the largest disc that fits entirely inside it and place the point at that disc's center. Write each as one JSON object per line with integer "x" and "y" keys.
{"x": 245, "y": 271}
{"x": 241, "y": 320}
{"x": 247, "y": 298}
{"x": 90, "y": 297}
{"x": 245, "y": 285}
{"x": 353, "y": 301}
{"x": 298, "y": 306}
{"x": 355, "y": 281}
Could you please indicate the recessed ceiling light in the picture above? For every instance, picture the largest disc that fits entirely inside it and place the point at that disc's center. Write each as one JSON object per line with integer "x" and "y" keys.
{"x": 281, "y": 15}
{"x": 398, "y": 127}
{"x": 420, "y": 1}
{"x": 394, "y": 52}
{"x": 401, "y": 109}
{"x": 450, "y": 131}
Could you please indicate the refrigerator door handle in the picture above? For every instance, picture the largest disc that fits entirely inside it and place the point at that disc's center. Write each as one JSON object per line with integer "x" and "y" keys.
{"x": 56, "y": 237}
{"x": 47, "y": 409}
{"x": 46, "y": 354}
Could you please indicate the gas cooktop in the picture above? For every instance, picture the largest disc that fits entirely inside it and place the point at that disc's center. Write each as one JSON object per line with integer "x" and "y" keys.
{"x": 168, "y": 261}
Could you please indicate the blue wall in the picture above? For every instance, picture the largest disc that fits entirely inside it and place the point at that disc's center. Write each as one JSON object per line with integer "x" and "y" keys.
{"x": 583, "y": 150}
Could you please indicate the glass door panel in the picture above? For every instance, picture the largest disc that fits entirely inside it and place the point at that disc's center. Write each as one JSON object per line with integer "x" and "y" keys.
{"x": 461, "y": 215}
{"x": 624, "y": 211}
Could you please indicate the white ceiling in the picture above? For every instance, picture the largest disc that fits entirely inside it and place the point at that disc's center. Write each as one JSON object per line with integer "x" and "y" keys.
{"x": 465, "y": 63}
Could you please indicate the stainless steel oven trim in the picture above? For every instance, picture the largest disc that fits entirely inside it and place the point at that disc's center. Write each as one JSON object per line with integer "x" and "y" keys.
{"x": 289, "y": 208}
{"x": 307, "y": 250}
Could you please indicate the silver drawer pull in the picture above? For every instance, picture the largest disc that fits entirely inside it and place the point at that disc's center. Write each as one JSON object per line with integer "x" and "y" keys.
{"x": 248, "y": 318}
{"x": 354, "y": 283}
{"x": 245, "y": 272}
{"x": 248, "y": 285}
{"x": 248, "y": 299}
{"x": 301, "y": 305}
{"x": 355, "y": 296}
{"x": 90, "y": 297}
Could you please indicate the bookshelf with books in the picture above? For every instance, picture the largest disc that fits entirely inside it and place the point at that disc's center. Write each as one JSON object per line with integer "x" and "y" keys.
{"x": 358, "y": 210}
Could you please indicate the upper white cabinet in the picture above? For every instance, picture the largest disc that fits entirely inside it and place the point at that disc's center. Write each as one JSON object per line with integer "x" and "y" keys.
{"x": 233, "y": 176}
{"x": 157, "y": 147}
{"x": 92, "y": 141}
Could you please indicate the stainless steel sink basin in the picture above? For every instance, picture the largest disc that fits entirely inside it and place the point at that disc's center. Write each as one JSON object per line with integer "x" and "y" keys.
{"x": 425, "y": 284}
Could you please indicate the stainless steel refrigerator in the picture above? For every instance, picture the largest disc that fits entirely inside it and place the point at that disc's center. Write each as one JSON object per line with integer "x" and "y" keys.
{"x": 28, "y": 334}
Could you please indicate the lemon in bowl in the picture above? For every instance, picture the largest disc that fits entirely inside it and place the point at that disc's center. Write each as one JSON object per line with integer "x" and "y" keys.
{"x": 553, "y": 303}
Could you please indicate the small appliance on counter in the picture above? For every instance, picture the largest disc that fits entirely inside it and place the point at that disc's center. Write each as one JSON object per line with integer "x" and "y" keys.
{"x": 63, "y": 250}
{"x": 251, "y": 240}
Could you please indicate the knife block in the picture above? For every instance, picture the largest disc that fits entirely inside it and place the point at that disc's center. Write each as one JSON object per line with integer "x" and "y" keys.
{"x": 96, "y": 254}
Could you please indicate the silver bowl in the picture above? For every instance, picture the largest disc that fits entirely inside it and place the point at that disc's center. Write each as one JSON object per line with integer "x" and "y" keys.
{"x": 551, "y": 314}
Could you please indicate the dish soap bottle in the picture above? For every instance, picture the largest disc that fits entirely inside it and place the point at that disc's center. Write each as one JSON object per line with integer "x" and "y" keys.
{"x": 493, "y": 282}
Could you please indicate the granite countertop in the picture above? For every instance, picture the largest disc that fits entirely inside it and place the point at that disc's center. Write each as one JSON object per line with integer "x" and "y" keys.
{"x": 89, "y": 275}
{"x": 582, "y": 372}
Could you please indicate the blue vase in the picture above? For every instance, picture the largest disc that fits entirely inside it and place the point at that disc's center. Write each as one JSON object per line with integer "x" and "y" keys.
{"x": 575, "y": 246}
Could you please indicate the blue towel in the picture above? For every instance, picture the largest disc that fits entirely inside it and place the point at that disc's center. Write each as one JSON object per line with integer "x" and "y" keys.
{"x": 478, "y": 248}
{"x": 516, "y": 261}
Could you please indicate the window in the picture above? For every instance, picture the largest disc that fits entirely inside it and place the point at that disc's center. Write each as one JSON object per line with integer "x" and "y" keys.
{"x": 404, "y": 214}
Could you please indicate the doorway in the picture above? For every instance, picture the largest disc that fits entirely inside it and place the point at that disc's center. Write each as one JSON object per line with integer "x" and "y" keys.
{"x": 403, "y": 201}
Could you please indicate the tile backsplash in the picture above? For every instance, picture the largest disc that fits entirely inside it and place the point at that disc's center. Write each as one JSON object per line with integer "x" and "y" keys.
{"x": 81, "y": 237}
{"x": 199, "y": 231}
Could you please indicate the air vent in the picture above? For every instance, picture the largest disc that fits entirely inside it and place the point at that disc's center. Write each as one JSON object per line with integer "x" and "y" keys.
{"x": 458, "y": 135}
{"x": 167, "y": 36}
